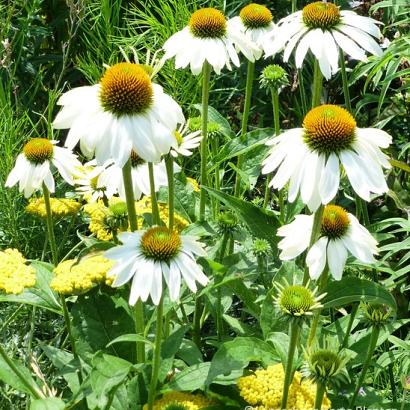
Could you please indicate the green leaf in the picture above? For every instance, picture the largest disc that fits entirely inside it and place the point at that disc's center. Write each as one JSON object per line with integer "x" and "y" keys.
{"x": 131, "y": 337}
{"x": 50, "y": 403}
{"x": 236, "y": 355}
{"x": 190, "y": 379}
{"x": 40, "y": 295}
{"x": 260, "y": 222}
{"x": 213, "y": 115}
{"x": 351, "y": 289}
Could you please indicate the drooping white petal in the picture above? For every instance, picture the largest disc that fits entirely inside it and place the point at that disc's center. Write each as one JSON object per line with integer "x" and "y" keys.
{"x": 316, "y": 258}
{"x": 329, "y": 180}
{"x": 336, "y": 258}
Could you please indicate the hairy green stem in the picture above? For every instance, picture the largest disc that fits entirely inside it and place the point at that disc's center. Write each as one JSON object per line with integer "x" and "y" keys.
{"x": 317, "y": 84}
{"x": 403, "y": 400}
{"x": 154, "y": 202}
{"x": 219, "y": 313}
{"x": 169, "y": 163}
{"x": 370, "y": 350}
{"x": 133, "y": 222}
{"x": 245, "y": 117}
{"x": 353, "y": 313}
{"x": 293, "y": 340}
{"x": 294, "y": 5}
{"x": 317, "y": 223}
{"x": 157, "y": 355}
{"x": 217, "y": 182}
{"x": 345, "y": 83}
{"x": 206, "y": 75}
{"x": 50, "y": 226}
{"x": 196, "y": 325}
{"x": 320, "y": 393}
{"x": 302, "y": 91}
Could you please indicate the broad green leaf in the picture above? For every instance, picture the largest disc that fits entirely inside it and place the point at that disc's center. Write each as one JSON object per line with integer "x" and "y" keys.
{"x": 213, "y": 115}
{"x": 189, "y": 353}
{"x": 236, "y": 355}
{"x": 261, "y": 223}
{"x": 352, "y": 289}
{"x": 191, "y": 378}
{"x": 131, "y": 337}
{"x": 50, "y": 403}
{"x": 40, "y": 295}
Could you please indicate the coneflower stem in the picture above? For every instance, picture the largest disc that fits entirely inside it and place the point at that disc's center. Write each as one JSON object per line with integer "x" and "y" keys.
{"x": 317, "y": 84}
{"x": 169, "y": 163}
{"x": 320, "y": 392}
{"x": 133, "y": 222}
{"x": 276, "y": 123}
{"x": 157, "y": 355}
{"x": 35, "y": 392}
{"x": 294, "y": 5}
{"x": 302, "y": 92}
{"x": 245, "y": 117}
{"x": 355, "y": 308}
{"x": 154, "y": 203}
{"x": 317, "y": 223}
{"x": 217, "y": 182}
{"x": 219, "y": 313}
{"x": 345, "y": 83}
{"x": 370, "y": 350}
{"x": 206, "y": 75}
{"x": 54, "y": 254}
{"x": 403, "y": 400}
{"x": 294, "y": 337}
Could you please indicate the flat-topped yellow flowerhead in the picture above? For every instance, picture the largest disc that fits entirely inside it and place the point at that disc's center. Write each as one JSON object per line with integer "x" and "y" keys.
{"x": 160, "y": 243}
{"x": 255, "y": 16}
{"x": 335, "y": 221}
{"x": 126, "y": 89}
{"x": 321, "y": 15}
{"x": 38, "y": 150}
{"x": 329, "y": 128}
{"x": 208, "y": 23}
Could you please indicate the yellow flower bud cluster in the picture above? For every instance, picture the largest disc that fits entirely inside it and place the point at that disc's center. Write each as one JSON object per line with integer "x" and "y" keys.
{"x": 15, "y": 275}
{"x": 194, "y": 183}
{"x": 187, "y": 400}
{"x": 60, "y": 207}
{"x": 263, "y": 390}
{"x": 74, "y": 278}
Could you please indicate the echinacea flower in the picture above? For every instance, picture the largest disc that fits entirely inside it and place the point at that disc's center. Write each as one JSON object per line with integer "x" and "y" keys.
{"x": 309, "y": 157}
{"x": 340, "y": 234}
{"x": 255, "y": 21}
{"x": 187, "y": 141}
{"x": 111, "y": 177}
{"x": 33, "y": 166}
{"x": 208, "y": 37}
{"x": 126, "y": 111}
{"x": 324, "y": 29}
{"x": 147, "y": 257}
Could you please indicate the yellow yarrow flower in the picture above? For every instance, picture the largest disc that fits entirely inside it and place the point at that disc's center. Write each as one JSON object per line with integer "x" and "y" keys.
{"x": 185, "y": 400}
{"x": 60, "y": 207}
{"x": 263, "y": 390}
{"x": 194, "y": 183}
{"x": 15, "y": 275}
{"x": 74, "y": 278}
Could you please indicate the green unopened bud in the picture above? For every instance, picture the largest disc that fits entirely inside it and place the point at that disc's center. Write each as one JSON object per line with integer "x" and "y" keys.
{"x": 117, "y": 217}
{"x": 227, "y": 222}
{"x": 260, "y": 247}
{"x": 273, "y": 76}
{"x": 326, "y": 364}
{"x": 405, "y": 381}
{"x": 376, "y": 314}
{"x": 296, "y": 300}
{"x": 195, "y": 124}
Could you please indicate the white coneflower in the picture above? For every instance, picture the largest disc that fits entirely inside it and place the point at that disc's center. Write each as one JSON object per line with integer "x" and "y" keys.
{"x": 148, "y": 257}
{"x": 208, "y": 37}
{"x": 33, "y": 166}
{"x": 255, "y": 21}
{"x": 124, "y": 112}
{"x": 309, "y": 157}
{"x": 187, "y": 141}
{"x": 340, "y": 233}
{"x": 323, "y": 28}
{"x": 112, "y": 179}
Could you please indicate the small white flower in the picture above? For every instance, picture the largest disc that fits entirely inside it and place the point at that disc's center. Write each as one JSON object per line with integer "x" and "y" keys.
{"x": 255, "y": 21}
{"x": 341, "y": 233}
{"x": 310, "y": 157}
{"x": 187, "y": 142}
{"x": 324, "y": 29}
{"x": 148, "y": 257}
{"x": 124, "y": 112}
{"x": 208, "y": 37}
{"x": 112, "y": 179}
{"x": 33, "y": 166}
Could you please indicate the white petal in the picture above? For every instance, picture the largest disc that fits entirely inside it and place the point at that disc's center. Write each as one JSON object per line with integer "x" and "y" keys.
{"x": 349, "y": 46}
{"x": 329, "y": 180}
{"x": 316, "y": 258}
{"x": 336, "y": 258}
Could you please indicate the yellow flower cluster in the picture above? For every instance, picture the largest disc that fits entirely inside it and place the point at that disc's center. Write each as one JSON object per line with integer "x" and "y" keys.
{"x": 194, "y": 183}
{"x": 60, "y": 207}
{"x": 74, "y": 278}
{"x": 98, "y": 213}
{"x": 187, "y": 400}
{"x": 15, "y": 275}
{"x": 263, "y": 390}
